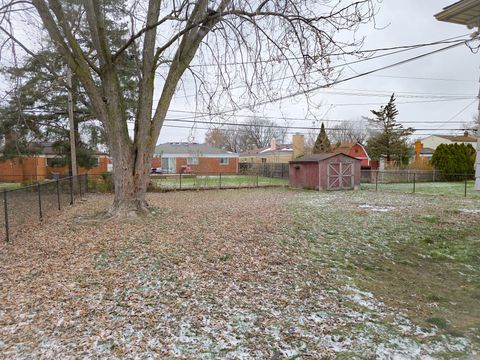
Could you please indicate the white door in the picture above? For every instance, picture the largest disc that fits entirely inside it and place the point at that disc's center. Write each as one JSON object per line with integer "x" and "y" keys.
{"x": 169, "y": 165}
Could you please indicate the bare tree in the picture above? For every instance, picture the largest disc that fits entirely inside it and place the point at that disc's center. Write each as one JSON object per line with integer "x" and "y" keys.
{"x": 349, "y": 131}
{"x": 258, "y": 133}
{"x": 270, "y": 46}
{"x": 255, "y": 133}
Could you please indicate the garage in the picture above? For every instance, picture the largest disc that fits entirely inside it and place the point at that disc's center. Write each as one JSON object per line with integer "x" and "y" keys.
{"x": 327, "y": 171}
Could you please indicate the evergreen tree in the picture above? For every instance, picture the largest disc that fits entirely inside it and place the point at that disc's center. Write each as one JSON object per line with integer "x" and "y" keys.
{"x": 36, "y": 111}
{"x": 322, "y": 144}
{"x": 454, "y": 159}
{"x": 391, "y": 138}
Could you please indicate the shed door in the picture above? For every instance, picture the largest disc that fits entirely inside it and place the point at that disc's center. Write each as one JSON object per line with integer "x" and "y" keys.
{"x": 340, "y": 176}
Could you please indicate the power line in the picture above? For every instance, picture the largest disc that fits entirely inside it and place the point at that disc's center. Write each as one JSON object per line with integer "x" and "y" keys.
{"x": 397, "y": 49}
{"x": 458, "y": 42}
{"x": 203, "y": 115}
{"x": 417, "y": 131}
{"x": 304, "y": 92}
{"x": 272, "y": 126}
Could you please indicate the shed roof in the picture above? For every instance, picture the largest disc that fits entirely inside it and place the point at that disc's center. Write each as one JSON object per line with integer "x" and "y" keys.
{"x": 320, "y": 157}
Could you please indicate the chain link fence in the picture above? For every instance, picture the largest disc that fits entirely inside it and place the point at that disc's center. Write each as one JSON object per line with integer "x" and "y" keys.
{"x": 419, "y": 181}
{"x": 33, "y": 202}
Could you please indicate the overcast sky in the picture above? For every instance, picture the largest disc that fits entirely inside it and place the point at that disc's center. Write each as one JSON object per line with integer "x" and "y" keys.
{"x": 450, "y": 73}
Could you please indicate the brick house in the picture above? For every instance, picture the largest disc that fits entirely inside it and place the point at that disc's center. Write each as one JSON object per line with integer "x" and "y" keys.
{"x": 203, "y": 159}
{"x": 38, "y": 167}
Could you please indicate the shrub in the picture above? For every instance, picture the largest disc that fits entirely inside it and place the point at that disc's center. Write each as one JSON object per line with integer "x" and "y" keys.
{"x": 454, "y": 159}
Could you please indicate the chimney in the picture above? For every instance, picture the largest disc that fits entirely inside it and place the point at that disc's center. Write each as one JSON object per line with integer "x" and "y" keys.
{"x": 273, "y": 144}
{"x": 298, "y": 145}
{"x": 465, "y": 134}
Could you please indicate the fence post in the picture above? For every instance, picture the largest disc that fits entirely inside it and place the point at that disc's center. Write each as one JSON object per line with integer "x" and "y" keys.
{"x": 39, "y": 201}
{"x": 414, "y": 182}
{"x": 71, "y": 190}
{"x": 465, "y": 185}
{"x": 5, "y": 209}
{"x": 79, "y": 181}
{"x": 180, "y": 181}
{"x": 86, "y": 183}
{"x": 376, "y": 181}
{"x": 257, "y": 180}
{"x": 58, "y": 194}
{"x": 220, "y": 181}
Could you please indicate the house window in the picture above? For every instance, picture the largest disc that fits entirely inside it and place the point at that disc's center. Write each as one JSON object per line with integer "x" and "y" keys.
{"x": 192, "y": 161}
{"x": 223, "y": 161}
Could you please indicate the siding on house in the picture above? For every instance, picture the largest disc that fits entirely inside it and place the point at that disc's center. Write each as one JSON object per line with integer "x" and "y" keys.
{"x": 433, "y": 141}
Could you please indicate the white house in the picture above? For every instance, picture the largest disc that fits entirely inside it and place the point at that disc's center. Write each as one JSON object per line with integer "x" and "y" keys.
{"x": 433, "y": 141}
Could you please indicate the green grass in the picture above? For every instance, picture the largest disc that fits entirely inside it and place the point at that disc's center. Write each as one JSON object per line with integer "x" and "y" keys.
{"x": 215, "y": 181}
{"x": 10, "y": 186}
{"x": 434, "y": 188}
{"x": 417, "y": 253}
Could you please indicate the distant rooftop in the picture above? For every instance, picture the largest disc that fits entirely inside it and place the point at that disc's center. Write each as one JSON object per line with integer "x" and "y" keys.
{"x": 191, "y": 149}
{"x": 319, "y": 157}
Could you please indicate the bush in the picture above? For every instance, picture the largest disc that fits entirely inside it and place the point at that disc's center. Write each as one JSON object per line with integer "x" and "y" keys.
{"x": 454, "y": 159}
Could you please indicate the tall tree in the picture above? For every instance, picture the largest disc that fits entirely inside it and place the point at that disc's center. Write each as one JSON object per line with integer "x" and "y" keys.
{"x": 390, "y": 138}
{"x": 248, "y": 41}
{"x": 36, "y": 112}
{"x": 322, "y": 144}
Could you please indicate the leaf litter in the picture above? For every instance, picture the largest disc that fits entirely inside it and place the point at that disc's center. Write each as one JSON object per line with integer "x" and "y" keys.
{"x": 209, "y": 275}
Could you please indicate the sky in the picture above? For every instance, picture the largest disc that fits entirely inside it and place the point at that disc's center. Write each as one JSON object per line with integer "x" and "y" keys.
{"x": 417, "y": 85}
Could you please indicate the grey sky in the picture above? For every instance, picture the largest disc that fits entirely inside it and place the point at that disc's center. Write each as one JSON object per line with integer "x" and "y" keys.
{"x": 406, "y": 22}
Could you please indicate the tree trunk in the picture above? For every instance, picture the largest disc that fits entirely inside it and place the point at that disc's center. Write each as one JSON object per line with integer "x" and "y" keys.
{"x": 130, "y": 179}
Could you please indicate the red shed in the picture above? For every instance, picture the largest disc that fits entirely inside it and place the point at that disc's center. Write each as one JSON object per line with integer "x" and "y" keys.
{"x": 327, "y": 171}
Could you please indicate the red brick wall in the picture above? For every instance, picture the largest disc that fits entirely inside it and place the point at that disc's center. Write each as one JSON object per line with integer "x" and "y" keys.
{"x": 205, "y": 165}
{"x": 213, "y": 166}
{"x": 11, "y": 170}
{"x": 102, "y": 167}
{"x": 35, "y": 168}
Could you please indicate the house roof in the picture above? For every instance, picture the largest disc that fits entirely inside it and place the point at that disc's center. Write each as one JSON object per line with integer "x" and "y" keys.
{"x": 461, "y": 138}
{"x": 344, "y": 147}
{"x": 267, "y": 150}
{"x": 191, "y": 149}
{"x": 320, "y": 157}
{"x": 464, "y": 12}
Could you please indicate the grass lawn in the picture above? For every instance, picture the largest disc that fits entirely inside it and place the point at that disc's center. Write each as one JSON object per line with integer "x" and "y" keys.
{"x": 436, "y": 188}
{"x": 215, "y": 181}
{"x": 10, "y": 186}
{"x": 251, "y": 274}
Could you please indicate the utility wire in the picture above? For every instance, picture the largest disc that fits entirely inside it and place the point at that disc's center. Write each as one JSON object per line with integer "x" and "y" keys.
{"x": 269, "y": 126}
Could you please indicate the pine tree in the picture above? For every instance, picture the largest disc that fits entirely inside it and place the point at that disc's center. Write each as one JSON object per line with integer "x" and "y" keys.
{"x": 322, "y": 144}
{"x": 391, "y": 138}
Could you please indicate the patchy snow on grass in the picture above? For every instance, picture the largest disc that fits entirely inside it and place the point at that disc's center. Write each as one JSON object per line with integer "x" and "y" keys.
{"x": 377, "y": 208}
